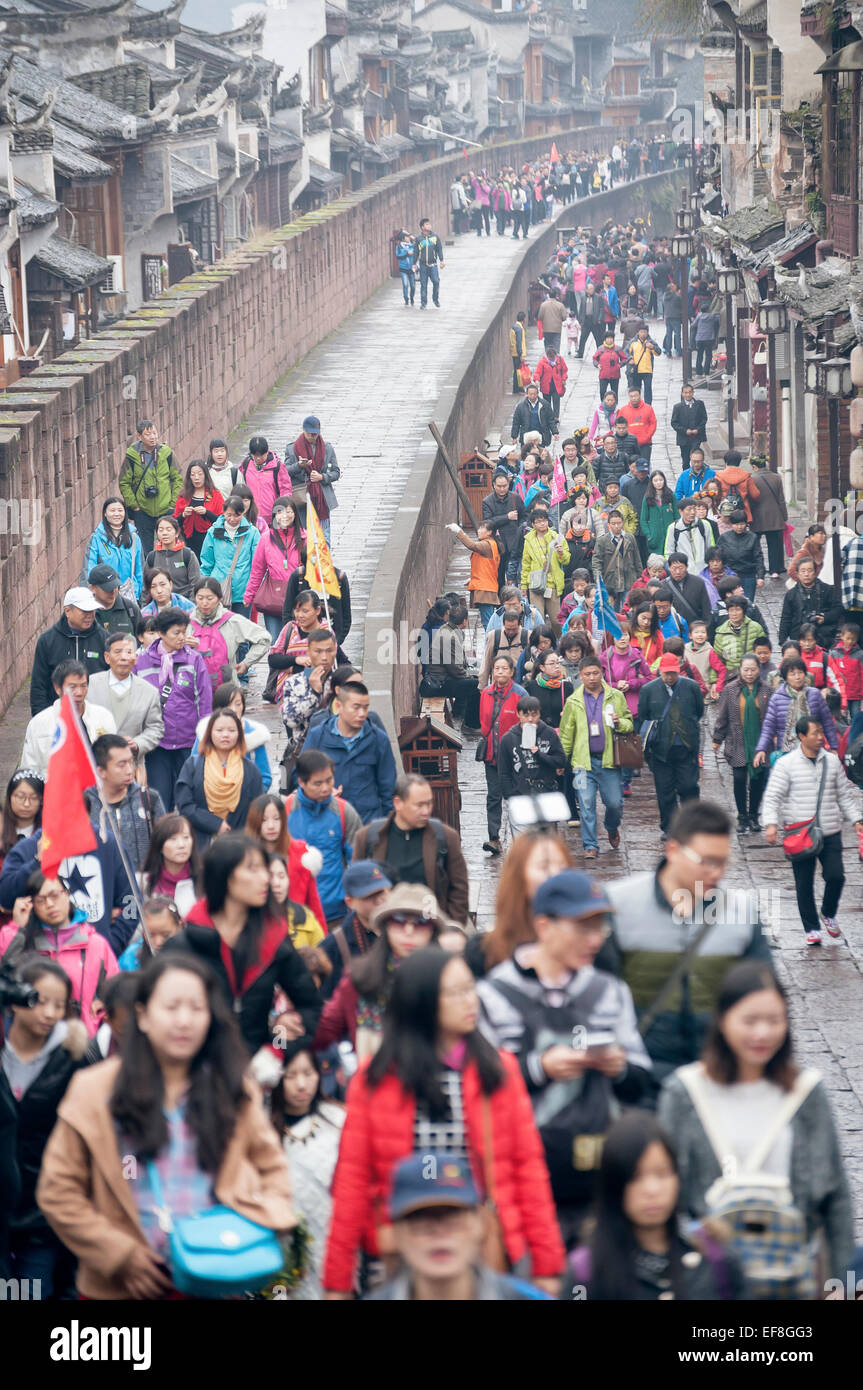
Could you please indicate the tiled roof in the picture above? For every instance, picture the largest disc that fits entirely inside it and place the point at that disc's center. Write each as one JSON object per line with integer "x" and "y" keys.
{"x": 73, "y": 160}
{"x": 189, "y": 184}
{"x": 34, "y": 210}
{"x": 324, "y": 178}
{"x": 747, "y": 226}
{"x": 127, "y": 85}
{"x": 75, "y": 265}
{"x": 74, "y": 106}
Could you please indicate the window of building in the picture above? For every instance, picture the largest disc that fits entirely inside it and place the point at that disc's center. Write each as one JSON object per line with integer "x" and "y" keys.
{"x": 842, "y": 133}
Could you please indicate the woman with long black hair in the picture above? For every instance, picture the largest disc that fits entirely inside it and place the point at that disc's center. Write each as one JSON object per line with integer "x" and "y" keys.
{"x": 281, "y": 549}
{"x": 437, "y": 1086}
{"x": 116, "y": 542}
{"x": 179, "y": 1101}
{"x": 199, "y": 504}
{"x": 237, "y": 931}
{"x": 22, "y": 814}
{"x": 635, "y": 1250}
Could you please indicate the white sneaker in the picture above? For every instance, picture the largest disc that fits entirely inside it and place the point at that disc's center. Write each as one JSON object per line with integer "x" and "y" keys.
{"x": 813, "y": 938}
{"x": 831, "y": 926}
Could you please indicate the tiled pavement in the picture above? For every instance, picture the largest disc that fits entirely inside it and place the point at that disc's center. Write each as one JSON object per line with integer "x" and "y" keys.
{"x": 825, "y": 985}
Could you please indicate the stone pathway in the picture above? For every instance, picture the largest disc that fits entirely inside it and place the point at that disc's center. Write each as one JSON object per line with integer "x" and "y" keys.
{"x": 825, "y": 985}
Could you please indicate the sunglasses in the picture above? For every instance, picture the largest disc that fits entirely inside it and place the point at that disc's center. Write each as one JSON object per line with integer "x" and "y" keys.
{"x": 407, "y": 919}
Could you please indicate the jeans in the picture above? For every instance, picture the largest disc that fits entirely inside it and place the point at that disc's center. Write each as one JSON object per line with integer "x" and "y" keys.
{"x": 703, "y": 355}
{"x": 609, "y": 383}
{"x": 589, "y": 781}
{"x": 834, "y": 879}
{"x": 273, "y": 624}
{"x": 493, "y": 800}
{"x": 486, "y": 612}
{"x": 676, "y": 779}
{"x": 551, "y": 340}
{"x": 163, "y": 769}
{"x": 749, "y": 584}
{"x": 513, "y": 567}
{"x": 589, "y": 329}
{"x": 854, "y": 708}
{"x": 752, "y": 782}
{"x": 429, "y": 272}
{"x": 408, "y": 285}
{"x": 672, "y": 340}
{"x": 644, "y": 382}
{"x": 146, "y": 526}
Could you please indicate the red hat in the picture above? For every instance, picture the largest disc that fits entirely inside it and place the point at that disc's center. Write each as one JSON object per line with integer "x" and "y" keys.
{"x": 669, "y": 662}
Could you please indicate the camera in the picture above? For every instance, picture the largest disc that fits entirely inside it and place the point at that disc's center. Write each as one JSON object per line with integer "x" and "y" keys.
{"x": 15, "y": 995}
{"x": 151, "y": 492}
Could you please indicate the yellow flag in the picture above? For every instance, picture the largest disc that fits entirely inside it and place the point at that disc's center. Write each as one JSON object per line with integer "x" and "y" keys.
{"x": 320, "y": 572}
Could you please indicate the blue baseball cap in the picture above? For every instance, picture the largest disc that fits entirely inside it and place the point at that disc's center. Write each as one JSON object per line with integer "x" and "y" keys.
{"x": 432, "y": 1180}
{"x": 364, "y": 877}
{"x": 570, "y": 894}
{"x": 312, "y": 424}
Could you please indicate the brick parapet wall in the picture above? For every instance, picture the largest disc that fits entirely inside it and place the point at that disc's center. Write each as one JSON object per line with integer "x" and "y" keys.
{"x": 197, "y": 360}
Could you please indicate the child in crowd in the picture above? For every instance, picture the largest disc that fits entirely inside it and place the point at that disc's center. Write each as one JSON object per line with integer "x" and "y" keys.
{"x": 846, "y": 659}
{"x": 162, "y": 920}
{"x": 703, "y": 659}
{"x": 819, "y": 665}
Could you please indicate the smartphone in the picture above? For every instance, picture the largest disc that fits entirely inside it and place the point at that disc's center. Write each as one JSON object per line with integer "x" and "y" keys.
{"x": 599, "y": 1043}
{"x": 528, "y": 735}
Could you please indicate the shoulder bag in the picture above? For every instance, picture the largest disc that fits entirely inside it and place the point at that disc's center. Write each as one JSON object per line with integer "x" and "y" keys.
{"x": 494, "y": 1254}
{"x": 218, "y": 1253}
{"x": 668, "y": 987}
{"x": 627, "y": 750}
{"x": 227, "y": 587}
{"x": 803, "y": 839}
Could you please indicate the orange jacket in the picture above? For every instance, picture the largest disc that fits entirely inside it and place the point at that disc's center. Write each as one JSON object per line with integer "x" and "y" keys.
{"x": 743, "y": 481}
{"x": 640, "y": 421}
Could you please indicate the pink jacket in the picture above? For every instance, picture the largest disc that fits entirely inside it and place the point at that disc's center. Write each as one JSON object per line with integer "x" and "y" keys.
{"x": 269, "y": 555}
{"x": 632, "y": 668}
{"x": 267, "y": 483}
{"x": 482, "y": 192}
{"x": 85, "y": 956}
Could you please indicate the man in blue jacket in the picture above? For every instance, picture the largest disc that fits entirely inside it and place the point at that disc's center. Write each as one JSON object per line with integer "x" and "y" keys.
{"x": 693, "y": 478}
{"x": 363, "y": 762}
{"x": 316, "y": 815}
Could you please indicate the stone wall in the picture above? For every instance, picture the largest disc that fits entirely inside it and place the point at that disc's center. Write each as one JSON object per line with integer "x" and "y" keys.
{"x": 197, "y": 360}
{"x": 414, "y": 560}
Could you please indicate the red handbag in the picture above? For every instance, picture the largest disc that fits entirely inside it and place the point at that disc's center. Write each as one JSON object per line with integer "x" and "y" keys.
{"x": 270, "y": 597}
{"x": 524, "y": 374}
{"x": 803, "y": 839}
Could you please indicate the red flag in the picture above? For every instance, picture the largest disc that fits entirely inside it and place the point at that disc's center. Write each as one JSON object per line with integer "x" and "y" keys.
{"x": 66, "y": 828}
{"x": 464, "y": 152}
{"x": 555, "y": 157}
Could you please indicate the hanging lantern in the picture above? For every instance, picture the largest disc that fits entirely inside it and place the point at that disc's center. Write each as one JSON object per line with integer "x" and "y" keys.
{"x": 855, "y": 466}
{"x": 857, "y": 364}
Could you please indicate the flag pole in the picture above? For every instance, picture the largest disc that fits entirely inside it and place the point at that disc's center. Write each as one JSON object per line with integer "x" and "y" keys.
{"x": 127, "y": 865}
{"x": 318, "y": 561}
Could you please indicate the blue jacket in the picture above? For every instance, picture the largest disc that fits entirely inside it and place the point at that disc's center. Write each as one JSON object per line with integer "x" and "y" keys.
{"x": 102, "y": 550}
{"x": 319, "y": 823}
{"x": 688, "y": 484}
{"x": 217, "y": 553}
{"x": 675, "y": 625}
{"x": 98, "y": 886}
{"x": 365, "y": 769}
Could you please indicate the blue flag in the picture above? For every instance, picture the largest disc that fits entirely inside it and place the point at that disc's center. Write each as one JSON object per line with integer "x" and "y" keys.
{"x": 606, "y": 619}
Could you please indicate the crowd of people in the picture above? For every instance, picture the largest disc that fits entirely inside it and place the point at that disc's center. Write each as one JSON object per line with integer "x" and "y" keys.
{"x": 261, "y": 991}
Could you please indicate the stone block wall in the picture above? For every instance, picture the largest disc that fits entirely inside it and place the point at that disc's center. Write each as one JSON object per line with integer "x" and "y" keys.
{"x": 196, "y": 360}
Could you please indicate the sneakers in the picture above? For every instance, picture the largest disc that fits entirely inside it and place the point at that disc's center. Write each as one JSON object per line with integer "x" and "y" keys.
{"x": 742, "y": 825}
{"x": 831, "y": 926}
{"x": 755, "y": 825}
{"x": 614, "y": 839}
{"x": 627, "y": 791}
{"x": 813, "y": 938}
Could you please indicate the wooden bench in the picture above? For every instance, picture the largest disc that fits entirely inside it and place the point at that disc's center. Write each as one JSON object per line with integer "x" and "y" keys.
{"x": 437, "y": 707}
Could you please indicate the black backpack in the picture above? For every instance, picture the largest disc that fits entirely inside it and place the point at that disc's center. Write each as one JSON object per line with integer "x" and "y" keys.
{"x": 731, "y": 502}
{"x": 375, "y": 829}
{"x": 497, "y": 638}
{"x": 853, "y": 761}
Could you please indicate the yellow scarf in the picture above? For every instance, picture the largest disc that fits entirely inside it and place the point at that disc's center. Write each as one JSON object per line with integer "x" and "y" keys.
{"x": 223, "y": 786}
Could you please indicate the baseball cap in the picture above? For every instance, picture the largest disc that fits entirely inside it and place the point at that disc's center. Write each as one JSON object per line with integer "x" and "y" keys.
{"x": 364, "y": 877}
{"x": 104, "y": 577}
{"x": 669, "y": 662}
{"x": 570, "y": 894}
{"x": 414, "y": 898}
{"x": 81, "y": 598}
{"x": 432, "y": 1180}
{"x": 312, "y": 423}
{"x": 641, "y": 465}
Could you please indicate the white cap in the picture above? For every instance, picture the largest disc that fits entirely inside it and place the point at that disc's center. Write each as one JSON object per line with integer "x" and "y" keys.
{"x": 81, "y": 598}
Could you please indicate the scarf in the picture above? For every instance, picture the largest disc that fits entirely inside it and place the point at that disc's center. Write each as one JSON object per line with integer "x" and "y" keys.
{"x": 167, "y": 882}
{"x": 750, "y": 719}
{"x": 313, "y": 462}
{"x": 798, "y": 706}
{"x": 166, "y": 667}
{"x": 498, "y": 700}
{"x": 549, "y": 684}
{"x": 223, "y": 786}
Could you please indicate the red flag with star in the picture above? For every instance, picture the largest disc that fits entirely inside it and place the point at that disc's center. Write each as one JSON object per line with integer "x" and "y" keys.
{"x": 66, "y": 828}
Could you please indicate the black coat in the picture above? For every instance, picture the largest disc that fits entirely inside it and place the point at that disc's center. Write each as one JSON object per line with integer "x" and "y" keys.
{"x": 191, "y": 802}
{"x": 521, "y": 423}
{"x": 340, "y": 608}
{"x": 689, "y": 417}
{"x": 628, "y": 445}
{"x": 742, "y": 554}
{"x": 37, "y": 1115}
{"x": 494, "y": 514}
{"x": 60, "y": 643}
{"x": 799, "y": 606}
{"x": 609, "y": 470}
{"x": 653, "y": 703}
{"x": 10, "y": 1178}
{"x": 283, "y": 968}
{"x": 530, "y": 771}
{"x": 689, "y": 597}
{"x": 552, "y": 701}
{"x": 124, "y": 616}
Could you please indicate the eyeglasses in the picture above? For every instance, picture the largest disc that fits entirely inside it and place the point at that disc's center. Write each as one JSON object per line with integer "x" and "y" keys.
{"x": 704, "y": 861}
{"x": 43, "y": 899}
{"x": 403, "y": 919}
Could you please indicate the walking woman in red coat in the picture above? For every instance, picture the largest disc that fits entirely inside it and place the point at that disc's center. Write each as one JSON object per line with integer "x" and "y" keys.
{"x": 437, "y": 1087}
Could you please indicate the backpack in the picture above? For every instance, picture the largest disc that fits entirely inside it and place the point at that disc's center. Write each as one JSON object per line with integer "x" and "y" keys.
{"x": 731, "y": 502}
{"x": 245, "y": 465}
{"x": 374, "y": 834}
{"x": 292, "y": 806}
{"x": 853, "y": 761}
{"x": 213, "y": 648}
{"x": 767, "y": 1233}
{"x": 497, "y": 638}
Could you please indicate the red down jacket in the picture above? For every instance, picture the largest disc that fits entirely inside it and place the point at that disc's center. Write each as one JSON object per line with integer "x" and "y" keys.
{"x": 379, "y": 1131}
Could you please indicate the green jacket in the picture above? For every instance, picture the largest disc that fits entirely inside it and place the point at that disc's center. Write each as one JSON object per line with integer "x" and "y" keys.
{"x": 573, "y": 729}
{"x": 135, "y": 479}
{"x": 535, "y": 554}
{"x": 655, "y": 522}
{"x": 732, "y": 646}
{"x": 622, "y": 505}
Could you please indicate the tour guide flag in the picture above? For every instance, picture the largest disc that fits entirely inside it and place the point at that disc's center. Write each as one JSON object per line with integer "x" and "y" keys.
{"x": 320, "y": 573}
{"x": 66, "y": 828}
{"x": 603, "y": 611}
{"x": 555, "y": 157}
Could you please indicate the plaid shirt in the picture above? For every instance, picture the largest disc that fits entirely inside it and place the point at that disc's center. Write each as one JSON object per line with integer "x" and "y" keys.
{"x": 186, "y": 1189}
{"x": 299, "y": 702}
{"x": 852, "y": 574}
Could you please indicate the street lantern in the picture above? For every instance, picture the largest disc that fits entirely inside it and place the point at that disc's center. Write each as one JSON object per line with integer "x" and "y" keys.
{"x": 772, "y": 317}
{"x": 694, "y": 201}
{"x": 685, "y": 220}
{"x": 728, "y": 279}
{"x": 681, "y": 246}
{"x": 834, "y": 378}
{"x": 812, "y": 365}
